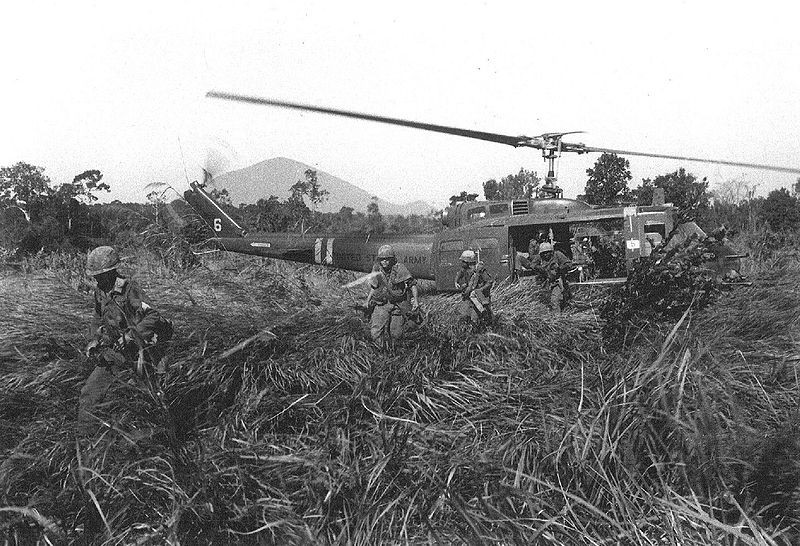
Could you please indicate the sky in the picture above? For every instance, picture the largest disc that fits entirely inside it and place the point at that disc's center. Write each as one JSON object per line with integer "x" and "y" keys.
{"x": 120, "y": 87}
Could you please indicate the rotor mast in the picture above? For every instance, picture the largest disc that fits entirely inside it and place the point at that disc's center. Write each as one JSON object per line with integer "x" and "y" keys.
{"x": 550, "y": 152}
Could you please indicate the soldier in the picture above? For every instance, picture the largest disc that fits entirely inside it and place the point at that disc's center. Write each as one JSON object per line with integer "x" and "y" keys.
{"x": 582, "y": 258}
{"x": 552, "y": 266}
{"x": 392, "y": 297}
{"x": 542, "y": 236}
{"x": 475, "y": 284}
{"x": 125, "y": 329}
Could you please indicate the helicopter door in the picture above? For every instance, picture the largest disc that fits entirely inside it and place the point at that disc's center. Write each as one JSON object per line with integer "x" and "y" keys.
{"x": 491, "y": 245}
{"x": 448, "y": 264}
{"x": 488, "y": 251}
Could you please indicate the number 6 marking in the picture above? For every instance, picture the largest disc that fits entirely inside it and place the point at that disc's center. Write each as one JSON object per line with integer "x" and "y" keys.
{"x": 217, "y": 224}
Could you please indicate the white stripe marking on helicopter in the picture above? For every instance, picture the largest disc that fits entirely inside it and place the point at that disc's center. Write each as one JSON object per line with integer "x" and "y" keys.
{"x": 329, "y": 254}
{"x": 318, "y": 251}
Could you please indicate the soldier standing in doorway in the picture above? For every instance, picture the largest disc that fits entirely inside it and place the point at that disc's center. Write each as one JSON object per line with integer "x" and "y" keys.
{"x": 552, "y": 267}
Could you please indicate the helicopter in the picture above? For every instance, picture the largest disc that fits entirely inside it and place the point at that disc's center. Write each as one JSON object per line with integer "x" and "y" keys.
{"x": 500, "y": 232}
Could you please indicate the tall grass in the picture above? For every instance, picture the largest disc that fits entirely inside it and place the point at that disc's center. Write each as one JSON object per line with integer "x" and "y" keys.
{"x": 281, "y": 423}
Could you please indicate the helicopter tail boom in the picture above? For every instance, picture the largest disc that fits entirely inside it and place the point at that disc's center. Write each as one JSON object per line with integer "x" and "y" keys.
{"x": 219, "y": 220}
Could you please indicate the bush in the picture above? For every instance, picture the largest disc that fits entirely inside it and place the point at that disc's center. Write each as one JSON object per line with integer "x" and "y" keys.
{"x": 668, "y": 283}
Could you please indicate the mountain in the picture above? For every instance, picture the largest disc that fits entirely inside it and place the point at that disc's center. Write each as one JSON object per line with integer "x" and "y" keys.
{"x": 276, "y": 176}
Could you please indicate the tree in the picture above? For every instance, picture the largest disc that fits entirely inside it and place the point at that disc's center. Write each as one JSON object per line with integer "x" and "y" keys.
{"x": 734, "y": 191}
{"x": 84, "y": 186}
{"x": 781, "y": 210}
{"x": 297, "y": 208}
{"x": 796, "y": 188}
{"x": 310, "y": 187}
{"x": 375, "y": 224}
{"x": 272, "y": 215}
{"x": 514, "y": 186}
{"x": 24, "y": 185}
{"x": 463, "y": 197}
{"x": 608, "y": 181}
{"x": 682, "y": 189}
{"x": 55, "y": 215}
{"x": 315, "y": 193}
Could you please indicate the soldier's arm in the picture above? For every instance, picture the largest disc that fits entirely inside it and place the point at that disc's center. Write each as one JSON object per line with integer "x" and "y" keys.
{"x": 565, "y": 264}
{"x": 96, "y": 327}
{"x": 460, "y": 284}
{"x": 96, "y": 331}
{"x": 488, "y": 282}
{"x": 146, "y": 318}
{"x": 377, "y": 289}
{"x": 414, "y": 295}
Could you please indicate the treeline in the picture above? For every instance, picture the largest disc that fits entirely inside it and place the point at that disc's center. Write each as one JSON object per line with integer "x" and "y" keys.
{"x": 293, "y": 214}
{"x": 36, "y": 215}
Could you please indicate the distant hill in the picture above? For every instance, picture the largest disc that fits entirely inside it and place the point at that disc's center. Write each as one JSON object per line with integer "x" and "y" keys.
{"x": 275, "y": 177}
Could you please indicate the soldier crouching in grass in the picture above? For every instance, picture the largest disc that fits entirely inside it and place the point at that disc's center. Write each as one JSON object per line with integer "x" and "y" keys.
{"x": 126, "y": 332}
{"x": 393, "y": 298}
{"x": 475, "y": 284}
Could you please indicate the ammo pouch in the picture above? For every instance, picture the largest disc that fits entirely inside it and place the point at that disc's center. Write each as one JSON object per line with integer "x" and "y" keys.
{"x": 397, "y": 293}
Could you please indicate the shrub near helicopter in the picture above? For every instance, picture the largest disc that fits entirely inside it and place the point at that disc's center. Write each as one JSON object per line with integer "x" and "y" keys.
{"x": 496, "y": 230}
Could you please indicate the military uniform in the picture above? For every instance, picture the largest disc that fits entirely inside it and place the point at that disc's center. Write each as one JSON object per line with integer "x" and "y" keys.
{"x": 475, "y": 284}
{"x": 125, "y": 329}
{"x": 391, "y": 298}
{"x": 553, "y": 274}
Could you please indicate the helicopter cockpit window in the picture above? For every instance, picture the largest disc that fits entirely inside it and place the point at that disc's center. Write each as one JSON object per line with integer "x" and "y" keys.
{"x": 446, "y": 246}
{"x": 476, "y": 212}
{"x": 655, "y": 227}
{"x": 654, "y": 235}
{"x": 500, "y": 208}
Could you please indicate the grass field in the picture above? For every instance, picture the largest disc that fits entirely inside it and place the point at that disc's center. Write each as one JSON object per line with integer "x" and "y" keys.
{"x": 537, "y": 431}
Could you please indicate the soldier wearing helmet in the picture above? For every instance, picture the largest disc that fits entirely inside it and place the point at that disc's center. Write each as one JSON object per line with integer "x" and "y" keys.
{"x": 125, "y": 329}
{"x": 393, "y": 297}
{"x": 543, "y": 235}
{"x": 552, "y": 266}
{"x": 475, "y": 284}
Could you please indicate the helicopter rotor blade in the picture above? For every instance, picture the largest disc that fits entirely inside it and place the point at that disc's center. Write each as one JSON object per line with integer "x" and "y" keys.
{"x": 515, "y": 141}
{"x": 685, "y": 158}
{"x": 546, "y": 141}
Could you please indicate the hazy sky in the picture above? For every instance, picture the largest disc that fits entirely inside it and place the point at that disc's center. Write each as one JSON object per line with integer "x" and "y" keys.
{"x": 120, "y": 87}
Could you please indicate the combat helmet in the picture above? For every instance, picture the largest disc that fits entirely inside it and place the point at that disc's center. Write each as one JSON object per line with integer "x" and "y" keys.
{"x": 545, "y": 247}
{"x": 100, "y": 260}
{"x": 386, "y": 251}
{"x": 468, "y": 256}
